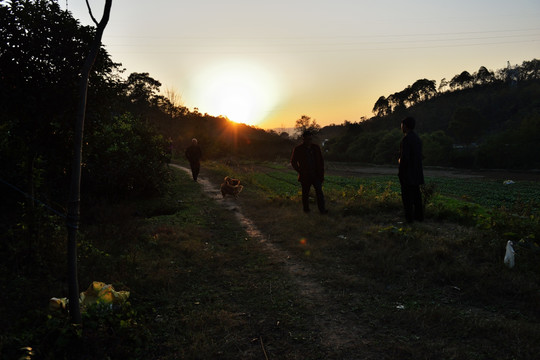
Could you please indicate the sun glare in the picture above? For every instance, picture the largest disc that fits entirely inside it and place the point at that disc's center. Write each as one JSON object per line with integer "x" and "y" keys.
{"x": 242, "y": 92}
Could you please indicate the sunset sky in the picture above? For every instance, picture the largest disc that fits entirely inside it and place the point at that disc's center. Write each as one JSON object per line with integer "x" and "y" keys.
{"x": 267, "y": 63}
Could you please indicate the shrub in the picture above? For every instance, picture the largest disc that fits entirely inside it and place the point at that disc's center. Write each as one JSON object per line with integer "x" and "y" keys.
{"x": 125, "y": 157}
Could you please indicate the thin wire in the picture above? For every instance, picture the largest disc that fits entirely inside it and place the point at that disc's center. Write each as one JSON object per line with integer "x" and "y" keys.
{"x": 324, "y": 44}
{"x": 327, "y": 49}
{"x": 324, "y": 37}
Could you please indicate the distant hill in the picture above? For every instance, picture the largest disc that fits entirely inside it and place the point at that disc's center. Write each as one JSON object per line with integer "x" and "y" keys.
{"x": 476, "y": 124}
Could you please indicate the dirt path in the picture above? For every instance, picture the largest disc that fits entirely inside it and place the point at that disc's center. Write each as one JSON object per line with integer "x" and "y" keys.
{"x": 338, "y": 331}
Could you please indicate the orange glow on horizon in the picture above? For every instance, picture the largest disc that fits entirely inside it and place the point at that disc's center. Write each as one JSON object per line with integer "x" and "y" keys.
{"x": 240, "y": 91}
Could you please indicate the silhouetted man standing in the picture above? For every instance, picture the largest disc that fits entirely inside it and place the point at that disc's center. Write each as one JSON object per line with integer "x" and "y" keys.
{"x": 307, "y": 160}
{"x": 194, "y": 154}
{"x": 411, "y": 173}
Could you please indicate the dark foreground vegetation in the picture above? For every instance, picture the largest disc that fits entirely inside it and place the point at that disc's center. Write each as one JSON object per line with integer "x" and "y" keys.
{"x": 354, "y": 284}
{"x": 201, "y": 287}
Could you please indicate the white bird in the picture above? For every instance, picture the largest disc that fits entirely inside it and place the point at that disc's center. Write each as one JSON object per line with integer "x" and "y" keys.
{"x": 509, "y": 256}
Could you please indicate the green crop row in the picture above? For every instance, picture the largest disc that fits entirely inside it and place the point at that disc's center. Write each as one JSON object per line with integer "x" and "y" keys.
{"x": 485, "y": 192}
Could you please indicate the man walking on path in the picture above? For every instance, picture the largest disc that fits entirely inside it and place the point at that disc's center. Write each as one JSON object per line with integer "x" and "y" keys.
{"x": 411, "y": 173}
{"x": 194, "y": 154}
{"x": 307, "y": 160}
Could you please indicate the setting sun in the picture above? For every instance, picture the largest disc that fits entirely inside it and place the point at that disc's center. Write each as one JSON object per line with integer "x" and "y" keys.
{"x": 242, "y": 92}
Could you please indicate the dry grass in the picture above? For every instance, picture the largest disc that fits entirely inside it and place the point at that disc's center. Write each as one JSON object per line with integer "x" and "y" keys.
{"x": 420, "y": 288}
{"x": 354, "y": 284}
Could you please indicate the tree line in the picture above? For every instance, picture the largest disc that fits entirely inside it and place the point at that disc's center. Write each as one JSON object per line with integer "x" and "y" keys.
{"x": 424, "y": 89}
{"x": 488, "y": 119}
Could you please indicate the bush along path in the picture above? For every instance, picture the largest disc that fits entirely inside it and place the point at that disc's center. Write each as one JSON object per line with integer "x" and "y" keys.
{"x": 339, "y": 330}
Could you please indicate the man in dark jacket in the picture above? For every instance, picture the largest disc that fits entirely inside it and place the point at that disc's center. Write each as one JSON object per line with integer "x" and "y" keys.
{"x": 411, "y": 173}
{"x": 307, "y": 160}
{"x": 194, "y": 154}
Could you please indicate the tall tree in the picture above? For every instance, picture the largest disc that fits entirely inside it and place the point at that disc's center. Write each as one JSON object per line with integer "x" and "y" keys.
{"x": 142, "y": 88}
{"x": 530, "y": 70}
{"x": 382, "y": 107}
{"x": 40, "y": 57}
{"x": 462, "y": 81}
{"x": 306, "y": 123}
{"x": 443, "y": 84}
{"x": 75, "y": 188}
{"x": 484, "y": 76}
{"x": 423, "y": 89}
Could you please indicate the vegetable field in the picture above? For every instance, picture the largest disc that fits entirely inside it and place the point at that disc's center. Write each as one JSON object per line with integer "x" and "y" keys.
{"x": 488, "y": 193}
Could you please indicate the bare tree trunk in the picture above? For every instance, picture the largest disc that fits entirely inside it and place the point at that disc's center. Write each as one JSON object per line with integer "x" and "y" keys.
{"x": 75, "y": 187}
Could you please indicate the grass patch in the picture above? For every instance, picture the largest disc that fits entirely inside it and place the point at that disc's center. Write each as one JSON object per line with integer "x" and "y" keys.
{"x": 357, "y": 283}
{"x": 200, "y": 288}
{"x": 438, "y": 284}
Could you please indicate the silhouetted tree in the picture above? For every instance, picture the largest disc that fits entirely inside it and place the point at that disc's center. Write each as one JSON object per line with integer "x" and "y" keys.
{"x": 382, "y": 107}
{"x": 443, "y": 84}
{"x": 408, "y": 96}
{"x": 530, "y": 70}
{"x": 462, "y": 81}
{"x": 423, "y": 90}
{"x": 306, "y": 123}
{"x": 142, "y": 88}
{"x": 42, "y": 49}
{"x": 397, "y": 100}
{"x": 75, "y": 187}
{"x": 483, "y": 76}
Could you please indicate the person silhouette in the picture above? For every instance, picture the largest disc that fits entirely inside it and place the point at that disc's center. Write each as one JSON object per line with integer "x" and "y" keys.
{"x": 308, "y": 161}
{"x": 411, "y": 173}
{"x": 194, "y": 154}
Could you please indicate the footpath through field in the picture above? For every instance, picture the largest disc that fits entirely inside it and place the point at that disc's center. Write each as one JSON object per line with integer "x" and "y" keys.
{"x": 338, "y": 331}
